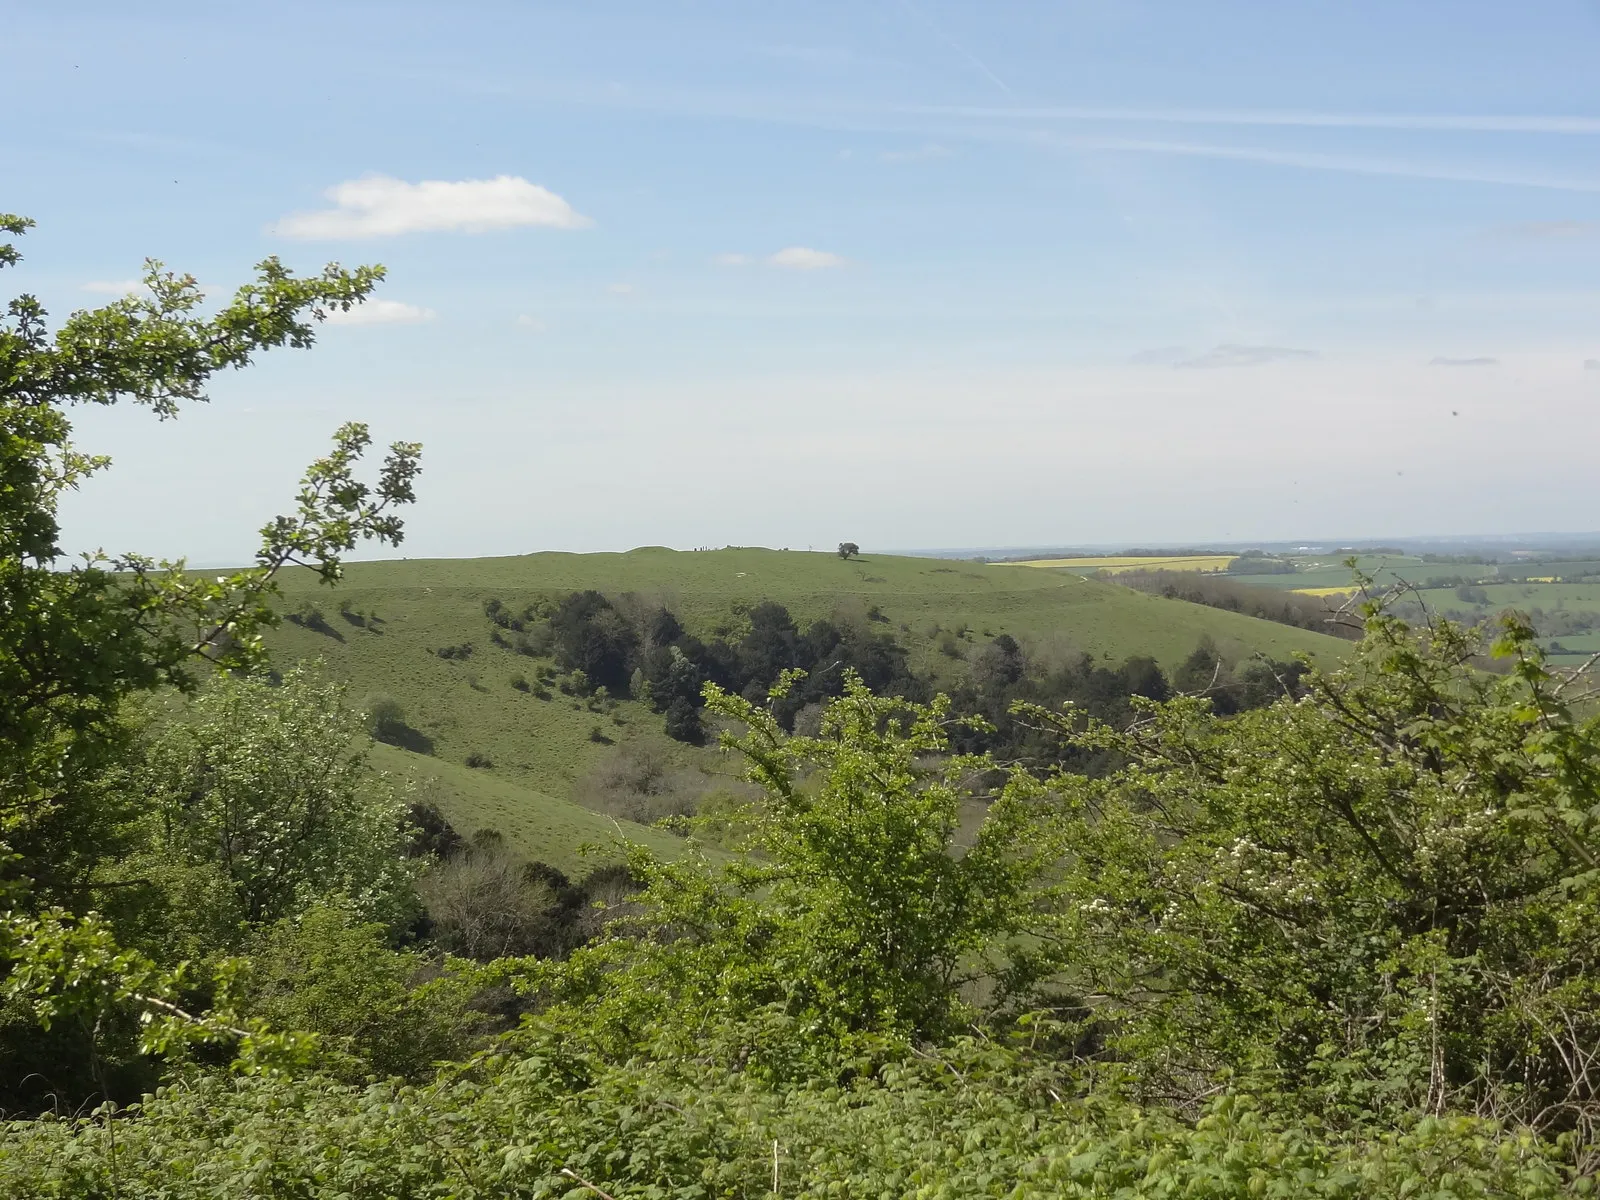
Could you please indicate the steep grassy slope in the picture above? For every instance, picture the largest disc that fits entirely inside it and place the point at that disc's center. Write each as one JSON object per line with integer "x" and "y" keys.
{"x": 537, "y": 826}
{"x": 466, "y": 707}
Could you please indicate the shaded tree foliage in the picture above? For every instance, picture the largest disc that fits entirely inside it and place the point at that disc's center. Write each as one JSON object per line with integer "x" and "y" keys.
{"x": 1000, "y": 678}
{"x": 591, "y": 636}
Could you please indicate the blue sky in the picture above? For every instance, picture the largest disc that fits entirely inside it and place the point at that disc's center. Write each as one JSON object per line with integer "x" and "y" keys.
{"x": 914, "y": 273}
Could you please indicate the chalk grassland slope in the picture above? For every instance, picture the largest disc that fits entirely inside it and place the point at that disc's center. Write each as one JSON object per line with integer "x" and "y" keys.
{"x": 1112, "y": 564}
{"x": 469, "y": 706}
{"x": 538, "y": 826}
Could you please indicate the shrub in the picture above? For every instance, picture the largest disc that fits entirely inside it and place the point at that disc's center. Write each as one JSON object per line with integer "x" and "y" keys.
{"x": 683, "y": 723}
{"x": 639, "y": 781}
{"x": 326, "y": 972}
{"x": 271, "y": 786}
{"x": 384, "y": 714}
{"x": 386, "y": 722}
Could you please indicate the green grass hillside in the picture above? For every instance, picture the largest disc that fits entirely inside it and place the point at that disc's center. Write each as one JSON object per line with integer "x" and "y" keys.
{"x": 468, "y": 707}
{"x": 538, "y": 826}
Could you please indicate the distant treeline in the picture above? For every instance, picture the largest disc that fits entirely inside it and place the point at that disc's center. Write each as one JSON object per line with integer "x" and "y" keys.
{"x": 1002, "y": 676}
{"x": 1254, "y": 562}
{"x": 628, "y": 647}
{"x": 636, "y": 649}
{"x": 1286, "y": 608}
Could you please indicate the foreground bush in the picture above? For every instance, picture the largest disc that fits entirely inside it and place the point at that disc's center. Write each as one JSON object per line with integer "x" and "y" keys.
{"x": 969, "y": 1122}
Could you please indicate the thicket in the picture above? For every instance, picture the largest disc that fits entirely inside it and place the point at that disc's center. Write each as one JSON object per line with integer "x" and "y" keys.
{"x": 1003, "y": 687}
{"x": 628, "y": 647}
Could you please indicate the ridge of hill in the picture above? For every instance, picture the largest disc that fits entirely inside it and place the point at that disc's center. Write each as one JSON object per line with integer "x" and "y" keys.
{"x": 381, "y": 628}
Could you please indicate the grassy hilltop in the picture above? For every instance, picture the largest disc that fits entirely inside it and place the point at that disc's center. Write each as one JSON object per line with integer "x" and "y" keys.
{"x": 539, "y": 750}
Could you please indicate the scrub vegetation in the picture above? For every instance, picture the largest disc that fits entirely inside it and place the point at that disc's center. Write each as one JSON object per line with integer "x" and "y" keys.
{"x": 925, "y": 879}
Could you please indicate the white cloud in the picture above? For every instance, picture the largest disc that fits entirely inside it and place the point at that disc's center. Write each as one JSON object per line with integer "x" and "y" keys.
{"x": 381, "y": 312}
{"x": 531, "y": 324}
{"x": 114, "y": 287}
{"x": 733, "y": 260}
{"x": 1480, "y": 361}
{"x": 1591, "y": 364}
{"x": 378, "y": 206}
{"x": 803, "y": 258}
{"x": 620, "y": 289}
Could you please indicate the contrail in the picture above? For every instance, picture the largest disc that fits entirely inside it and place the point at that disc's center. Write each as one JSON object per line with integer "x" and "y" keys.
{"x": 972, "y": 58}
{"x": 1435, "y": 122}
{"x": 1321, "y": 162}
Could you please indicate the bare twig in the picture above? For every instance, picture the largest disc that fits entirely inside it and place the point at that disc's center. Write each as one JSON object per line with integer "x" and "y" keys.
{"x": 582, "y": 1182}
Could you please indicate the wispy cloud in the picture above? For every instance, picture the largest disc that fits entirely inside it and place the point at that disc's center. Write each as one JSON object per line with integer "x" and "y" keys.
{"x": 381, "y": 312}
{"x": 114, "y": 287}
{"x": 921, "y": 154}
{"x": 1480, "y": 361}
{"x": 803, "y": 258}
{"x": 1591, "y": 364}
{"x": 1553, "y": 231}
{"x": 1440, "y": 122}
{"x": 1161, "y": 356}
{"x": 1232, "y": 355}
{"x": 378, "y": 206}
{"x": 530, "y": 323}
{"x": 732, "y": 260}
{"x": 620, "y": 289}
{"x": 1405, "y": 169}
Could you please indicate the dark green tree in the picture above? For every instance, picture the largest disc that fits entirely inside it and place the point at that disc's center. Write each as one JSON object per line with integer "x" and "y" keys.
{"x": 683, "y": 722}
{"x": 593, "y": 637}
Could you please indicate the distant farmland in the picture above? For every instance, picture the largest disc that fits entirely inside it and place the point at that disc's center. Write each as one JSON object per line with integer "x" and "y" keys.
{"x": 1347, "y": 590}
{"x": 1112, "y": 564}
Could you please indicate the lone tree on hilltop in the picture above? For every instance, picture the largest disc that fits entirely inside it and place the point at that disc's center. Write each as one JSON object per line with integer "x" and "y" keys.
{"x": 848, "y": 549}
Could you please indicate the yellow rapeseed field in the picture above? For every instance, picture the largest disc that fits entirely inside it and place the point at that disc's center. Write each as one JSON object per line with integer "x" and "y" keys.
{"x": 1327, "y": 591}
{"x": 1114, "y": 563}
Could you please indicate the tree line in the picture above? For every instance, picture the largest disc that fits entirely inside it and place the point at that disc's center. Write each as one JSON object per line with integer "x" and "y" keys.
{"x": 632, "y": 648}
